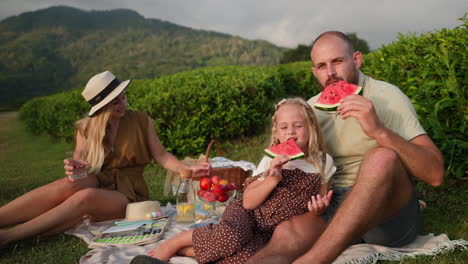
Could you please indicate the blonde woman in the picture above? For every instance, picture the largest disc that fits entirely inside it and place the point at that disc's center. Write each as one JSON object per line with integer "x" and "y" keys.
{"x": 120, "y": 143}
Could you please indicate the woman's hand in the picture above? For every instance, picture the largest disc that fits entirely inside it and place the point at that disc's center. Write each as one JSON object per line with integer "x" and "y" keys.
{"x": 72, "y": 166}
{"x": 318, "y": 204}
{"x": 200, "y": 169}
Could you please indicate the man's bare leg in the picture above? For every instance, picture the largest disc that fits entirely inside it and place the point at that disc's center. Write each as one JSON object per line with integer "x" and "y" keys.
{"x": 291, "y": 239}
{"x": 382, "y": 188}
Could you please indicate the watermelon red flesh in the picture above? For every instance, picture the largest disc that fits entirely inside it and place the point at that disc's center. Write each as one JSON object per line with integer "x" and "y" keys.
{"x": 288, "y": 148}
{"x": 330, "y": 98}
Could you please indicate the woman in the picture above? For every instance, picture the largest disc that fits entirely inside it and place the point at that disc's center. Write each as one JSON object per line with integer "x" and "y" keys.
{"x": 120, "y": 143}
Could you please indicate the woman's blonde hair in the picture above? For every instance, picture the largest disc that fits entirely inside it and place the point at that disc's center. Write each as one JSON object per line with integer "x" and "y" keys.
{"x": 315, "y": 141}
{"x": 93, "y": 129}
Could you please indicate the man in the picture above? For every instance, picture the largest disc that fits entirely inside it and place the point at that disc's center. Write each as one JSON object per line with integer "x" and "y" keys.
{"x": 377, "y": 143}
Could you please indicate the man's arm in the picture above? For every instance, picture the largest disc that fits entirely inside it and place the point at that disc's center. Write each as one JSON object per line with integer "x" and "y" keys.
{"x": 420, "y": 156}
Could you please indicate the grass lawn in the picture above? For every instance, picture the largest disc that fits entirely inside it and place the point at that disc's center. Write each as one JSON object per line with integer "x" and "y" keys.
{"x": 27, "y": 162}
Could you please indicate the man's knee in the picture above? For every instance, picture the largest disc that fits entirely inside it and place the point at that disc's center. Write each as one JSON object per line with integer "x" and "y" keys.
{"x": 382, "y": 156}
{"x": 382, "y": 165}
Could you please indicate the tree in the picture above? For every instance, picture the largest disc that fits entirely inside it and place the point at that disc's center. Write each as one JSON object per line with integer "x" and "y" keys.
{"x": 358, "y": 44}
{"x": 301, "y": 53}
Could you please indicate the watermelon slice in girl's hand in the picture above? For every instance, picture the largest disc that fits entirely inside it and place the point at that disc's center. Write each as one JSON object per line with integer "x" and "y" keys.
{"x": 330, "y": 98}
{"x": 288, "y": 148}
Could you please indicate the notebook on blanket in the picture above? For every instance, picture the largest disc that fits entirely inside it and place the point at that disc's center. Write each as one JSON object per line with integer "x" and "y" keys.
{"x": 139, "y": 232}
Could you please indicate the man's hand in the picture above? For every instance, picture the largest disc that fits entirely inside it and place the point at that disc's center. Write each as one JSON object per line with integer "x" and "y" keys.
{"x": 363, "y": 110}
{"x": 318, "y": 204}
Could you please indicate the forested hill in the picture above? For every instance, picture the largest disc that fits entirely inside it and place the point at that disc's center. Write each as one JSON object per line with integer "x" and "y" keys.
{"x": 59, "y": 48}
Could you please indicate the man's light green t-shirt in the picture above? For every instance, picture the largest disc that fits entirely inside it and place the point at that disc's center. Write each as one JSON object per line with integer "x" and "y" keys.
{"x": 347, "y": 143}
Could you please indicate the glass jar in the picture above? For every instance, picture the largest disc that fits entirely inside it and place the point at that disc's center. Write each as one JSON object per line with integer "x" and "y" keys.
{"x": 185, "y": 198}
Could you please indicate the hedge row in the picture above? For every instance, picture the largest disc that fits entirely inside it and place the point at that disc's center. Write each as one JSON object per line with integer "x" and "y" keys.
{"x": 432, "y": 69}
{"x": 191, "y": 108}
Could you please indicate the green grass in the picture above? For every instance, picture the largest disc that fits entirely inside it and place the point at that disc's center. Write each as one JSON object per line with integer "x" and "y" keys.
{"x": 27, "y": 162}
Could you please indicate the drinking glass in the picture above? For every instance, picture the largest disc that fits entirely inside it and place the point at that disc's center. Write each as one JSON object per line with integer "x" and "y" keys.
{"x": 78, "y": 159}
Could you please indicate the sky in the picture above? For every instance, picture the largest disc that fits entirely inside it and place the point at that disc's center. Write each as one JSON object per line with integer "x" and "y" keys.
{"x": 286, "y": 23}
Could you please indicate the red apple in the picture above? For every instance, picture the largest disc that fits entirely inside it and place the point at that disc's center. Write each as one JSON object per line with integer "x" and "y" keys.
{"x": 201, "y": 192}
{"x": 205, "y": 183}
{"x": 215, "y": 179}
{"x": 219, "y": 189}
{"x": 209, "y": 196}
{"x": 230, "y": 186}
{"x": 222, "y": 198}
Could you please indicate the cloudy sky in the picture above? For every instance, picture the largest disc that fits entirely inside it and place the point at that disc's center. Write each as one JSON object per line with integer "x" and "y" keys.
{"x": 285, "y": 23}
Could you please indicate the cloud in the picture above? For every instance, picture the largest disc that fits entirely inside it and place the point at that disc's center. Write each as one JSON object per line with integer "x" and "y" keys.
{"x": 283, "y": 22}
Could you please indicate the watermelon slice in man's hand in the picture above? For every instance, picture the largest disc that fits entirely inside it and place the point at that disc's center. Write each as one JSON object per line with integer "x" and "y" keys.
{"x": 288, "y": 148}
{"x": 330, "y": 98}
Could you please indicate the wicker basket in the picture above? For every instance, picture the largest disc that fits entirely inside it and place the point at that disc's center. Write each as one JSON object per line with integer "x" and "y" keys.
{"x": 236, "y": 175}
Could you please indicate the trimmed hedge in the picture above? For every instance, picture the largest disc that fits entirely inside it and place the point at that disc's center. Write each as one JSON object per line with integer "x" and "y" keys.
{"x": 191, "y": 108}
{"x": 188, "y": 108}
{"x": 432, "y": 70}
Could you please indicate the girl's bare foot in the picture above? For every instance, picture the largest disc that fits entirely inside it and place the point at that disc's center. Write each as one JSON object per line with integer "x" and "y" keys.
{"x": 163, "y": 251}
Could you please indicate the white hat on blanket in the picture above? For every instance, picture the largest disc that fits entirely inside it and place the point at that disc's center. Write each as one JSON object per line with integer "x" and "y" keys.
{"x": 142, "y": 210}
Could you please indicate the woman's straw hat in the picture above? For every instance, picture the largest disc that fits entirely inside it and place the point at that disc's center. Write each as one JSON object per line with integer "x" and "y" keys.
{"x": 142, "y": 210}
{"x": 101, "y": 89}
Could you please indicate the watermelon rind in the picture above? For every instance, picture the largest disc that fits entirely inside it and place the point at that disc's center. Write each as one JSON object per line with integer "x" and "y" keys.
{"x": 271, "y": 154}
{"x": 333, "y": 107}
{"x": 293, "y": 157}
{"x": 327, "y": 108}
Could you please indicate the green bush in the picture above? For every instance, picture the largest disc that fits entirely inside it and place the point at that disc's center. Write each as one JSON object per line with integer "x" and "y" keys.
{"x": 55, "y": 115}
{"x": 432, "y": 70}
{"x": 190, "y": 108}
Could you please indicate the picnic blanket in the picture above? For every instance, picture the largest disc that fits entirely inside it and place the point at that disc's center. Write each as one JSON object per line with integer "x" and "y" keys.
{"x": 361, "y": 253}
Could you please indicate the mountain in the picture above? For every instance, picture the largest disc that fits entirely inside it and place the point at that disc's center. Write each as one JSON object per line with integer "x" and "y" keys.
{"x": 60, "y": 48}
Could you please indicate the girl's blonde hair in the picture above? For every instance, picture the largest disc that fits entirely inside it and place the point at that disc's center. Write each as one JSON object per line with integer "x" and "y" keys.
{"x": 315, "y": 142}
{"x": 93, "y": 129}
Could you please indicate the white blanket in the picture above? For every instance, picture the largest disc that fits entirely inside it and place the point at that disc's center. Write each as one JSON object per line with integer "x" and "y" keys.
{"x": 361, "y": 253}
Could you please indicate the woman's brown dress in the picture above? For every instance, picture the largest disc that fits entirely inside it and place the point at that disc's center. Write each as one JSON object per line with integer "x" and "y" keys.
{"x": 241, "y": 233}
{"x": 125, "y": 161}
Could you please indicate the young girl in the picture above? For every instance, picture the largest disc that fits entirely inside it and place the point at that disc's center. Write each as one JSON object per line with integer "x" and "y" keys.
{"x": 280, "y": 189}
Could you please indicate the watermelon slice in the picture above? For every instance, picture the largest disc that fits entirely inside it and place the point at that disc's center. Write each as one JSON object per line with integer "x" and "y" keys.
{"x": 330, "y": 98}
{"x": 288, "y": 148}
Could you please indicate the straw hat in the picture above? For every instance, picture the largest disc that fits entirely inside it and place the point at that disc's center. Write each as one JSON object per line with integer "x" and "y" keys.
{"x": 101, "y": 89}
{"x": 142, "y": 210}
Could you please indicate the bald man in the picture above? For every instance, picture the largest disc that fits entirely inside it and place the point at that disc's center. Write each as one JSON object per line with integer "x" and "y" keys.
{"x": 378, "y": 146}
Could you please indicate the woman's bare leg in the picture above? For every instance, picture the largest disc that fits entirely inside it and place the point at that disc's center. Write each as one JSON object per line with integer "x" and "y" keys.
{"x": 97, "y": 203}
{"x": 42, "y": 199}
{"x": 165, "y": 250}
